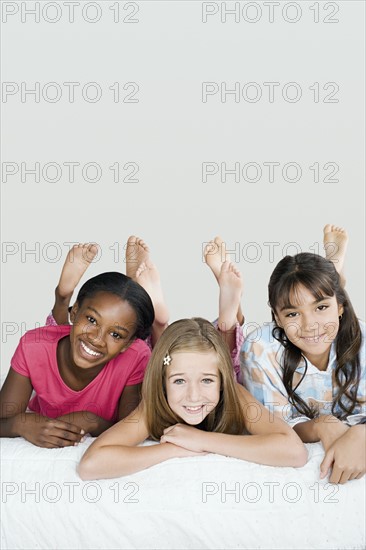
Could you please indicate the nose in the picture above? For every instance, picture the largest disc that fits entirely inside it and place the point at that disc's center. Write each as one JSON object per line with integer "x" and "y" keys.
{"x": 193, "y": 393}
{"x": 309, "y": 324}
{"x": 95, "y": 335}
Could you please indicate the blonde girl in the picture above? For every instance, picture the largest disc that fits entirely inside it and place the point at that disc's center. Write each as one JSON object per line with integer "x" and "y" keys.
{"x": 191, "y": 406}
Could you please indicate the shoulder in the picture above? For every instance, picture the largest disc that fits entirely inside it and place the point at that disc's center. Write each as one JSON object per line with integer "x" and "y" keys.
{"x": 139, "y": 348}
{"x": 44, "y": 335}
{"x": 261, "y": 341}
{"x": 136, "y": 353}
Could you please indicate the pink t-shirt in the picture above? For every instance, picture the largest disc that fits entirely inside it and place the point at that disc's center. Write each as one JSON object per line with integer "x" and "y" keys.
{"x": 36, "y": 358}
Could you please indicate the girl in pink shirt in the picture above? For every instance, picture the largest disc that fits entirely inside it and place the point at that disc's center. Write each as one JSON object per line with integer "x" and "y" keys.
{"x": 85, "y": 376}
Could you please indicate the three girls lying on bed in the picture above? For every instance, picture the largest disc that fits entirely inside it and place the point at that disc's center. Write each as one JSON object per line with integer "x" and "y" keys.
{"x": 307, "y": 367}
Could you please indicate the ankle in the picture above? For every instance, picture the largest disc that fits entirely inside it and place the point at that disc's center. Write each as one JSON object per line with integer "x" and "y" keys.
{"x": 62, "y": 298}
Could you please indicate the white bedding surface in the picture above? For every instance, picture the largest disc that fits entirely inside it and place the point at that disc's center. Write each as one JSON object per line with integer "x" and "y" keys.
{"x": 211, "y": 502}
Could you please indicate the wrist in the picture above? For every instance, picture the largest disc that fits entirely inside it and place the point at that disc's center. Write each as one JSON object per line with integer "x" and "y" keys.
{"x": 17, "y": 425}
{"x": 328, "y": 429}
{"x": 358, "y": 429}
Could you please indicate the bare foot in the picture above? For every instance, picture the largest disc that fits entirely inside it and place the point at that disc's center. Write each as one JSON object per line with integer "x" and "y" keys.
{"x": 137, "y": 252}
{"x": 214, "y": 255}
{"x": 77, "y": 262}
{"x": 147, "y": 275}
{"x": 231, "y": 288}
{"x": 335, "y": 246}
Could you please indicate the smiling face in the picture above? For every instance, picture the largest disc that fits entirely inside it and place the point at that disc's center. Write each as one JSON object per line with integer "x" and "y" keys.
{"x": 103, "y": 326}
{"x": 192, "y": 384}
{"x": 310, "y": 324}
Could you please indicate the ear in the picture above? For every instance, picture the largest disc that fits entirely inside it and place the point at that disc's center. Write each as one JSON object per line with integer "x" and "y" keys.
{"x": 340, "y": 309}
{"x": 73, "y": 312}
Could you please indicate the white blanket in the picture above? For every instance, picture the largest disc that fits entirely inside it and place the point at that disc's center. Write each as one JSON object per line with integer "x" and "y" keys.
{"x": 211, "y": 502}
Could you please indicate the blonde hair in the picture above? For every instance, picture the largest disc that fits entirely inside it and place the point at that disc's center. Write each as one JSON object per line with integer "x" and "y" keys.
{"x": 190, "y": 335}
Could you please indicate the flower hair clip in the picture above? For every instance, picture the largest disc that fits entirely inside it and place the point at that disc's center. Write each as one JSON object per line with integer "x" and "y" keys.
{"x": 167, "y": 360}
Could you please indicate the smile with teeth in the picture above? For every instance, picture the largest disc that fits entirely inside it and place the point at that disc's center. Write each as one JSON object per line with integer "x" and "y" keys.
{"x": 89, "y": 351}
{"x": 312, "y": 338}
{"x": 194, "y": 410}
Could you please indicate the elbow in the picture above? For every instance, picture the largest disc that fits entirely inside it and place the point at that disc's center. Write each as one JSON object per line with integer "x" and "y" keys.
{"x": 296, "y": 454}
{"x": 299, "y": 454}
{"x": 300, "y": 457}
{"x": 87, "y": 468}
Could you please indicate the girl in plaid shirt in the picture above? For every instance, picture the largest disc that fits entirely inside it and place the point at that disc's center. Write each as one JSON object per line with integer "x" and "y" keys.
{"x": 309, "y": 364}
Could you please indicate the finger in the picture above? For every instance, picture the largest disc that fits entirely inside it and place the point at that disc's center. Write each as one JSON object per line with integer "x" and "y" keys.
{"x": 48, "y": 445}
{"x": 336, "y": 474}
{"x": 169, "y": 429}
{"x": 67, "y": 426}
{"x": 326, "y": 464}
{"x": 353, "y": 476}
{"x": 166, "y": 439}
{"x": 345, "y": 477}
{"x": 360, "y": 475}
{"x": 51, "y": 433}
{"x": 60, "y": 442}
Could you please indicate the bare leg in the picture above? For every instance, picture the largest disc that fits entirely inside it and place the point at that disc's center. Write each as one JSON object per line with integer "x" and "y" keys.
{"x": 77, "y": 262}
{"x": 214, "y": 255}
{"x": 335, "y": 246}
{"x": 148, "y": 277}
{"x": 231, "y": 288}
{"x": 140, "y": 268}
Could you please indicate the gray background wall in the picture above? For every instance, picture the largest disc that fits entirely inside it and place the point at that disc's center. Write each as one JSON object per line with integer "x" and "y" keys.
{"x": 297, "y": 70}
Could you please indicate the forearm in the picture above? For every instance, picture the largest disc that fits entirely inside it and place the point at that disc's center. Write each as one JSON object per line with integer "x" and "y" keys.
{"x": 275, "y": 449}
{"x": 19, "y": 424}
{"x": 88, "y": 421}
{"x": 11, "y": 427}
{"x": 325, "y": 428}
{"x": 118, "y": 460}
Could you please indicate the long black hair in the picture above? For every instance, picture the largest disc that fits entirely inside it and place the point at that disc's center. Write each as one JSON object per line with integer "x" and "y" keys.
{"x": 319, "y": 276}
{"x": 126, "y": 289}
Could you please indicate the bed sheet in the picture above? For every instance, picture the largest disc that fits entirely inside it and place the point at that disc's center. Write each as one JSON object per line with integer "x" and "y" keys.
{"x": 208, "y": 502}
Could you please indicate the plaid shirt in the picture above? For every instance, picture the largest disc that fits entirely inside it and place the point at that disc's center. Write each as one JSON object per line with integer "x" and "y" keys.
{"x": 261, "y": 373}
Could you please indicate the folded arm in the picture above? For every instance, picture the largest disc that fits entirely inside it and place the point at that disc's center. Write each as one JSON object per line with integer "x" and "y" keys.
{"x": 116, "y": 453}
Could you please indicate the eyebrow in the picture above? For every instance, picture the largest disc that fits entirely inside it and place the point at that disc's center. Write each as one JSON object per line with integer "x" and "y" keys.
{"x": 114, "y": 326}
{"x": 290, "y": 306}
{"x": 183, "y": 373}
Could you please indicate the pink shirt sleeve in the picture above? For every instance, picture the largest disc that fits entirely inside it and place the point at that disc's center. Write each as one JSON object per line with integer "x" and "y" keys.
{"x": 137, "y": 374}
{"x": 18, "y": 361}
